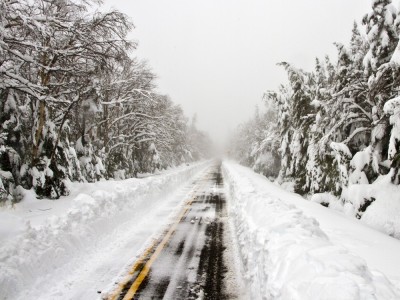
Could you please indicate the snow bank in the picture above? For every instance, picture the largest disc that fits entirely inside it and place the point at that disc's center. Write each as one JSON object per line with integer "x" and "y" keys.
{"x": 31, "y": 261}
{"x": 382, "y": 204}
{"x": 323, "y": 198}
{"x": 286, "y": 255}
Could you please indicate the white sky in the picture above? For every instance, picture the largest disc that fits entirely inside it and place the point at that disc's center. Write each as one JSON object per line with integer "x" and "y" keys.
{"x": 217, "y": 57}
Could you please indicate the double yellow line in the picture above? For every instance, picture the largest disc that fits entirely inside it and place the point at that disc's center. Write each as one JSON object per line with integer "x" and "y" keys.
{"x": 147, "y": 264}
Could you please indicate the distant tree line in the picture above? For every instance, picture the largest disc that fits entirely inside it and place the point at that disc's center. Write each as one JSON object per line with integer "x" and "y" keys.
{"x": 338, "y": 124}
{"x": 75, "y": 105}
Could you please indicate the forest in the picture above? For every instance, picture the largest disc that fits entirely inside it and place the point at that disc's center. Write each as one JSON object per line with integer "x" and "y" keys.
{"x": 336, "y": 129}
{"x": 75, "y": 103}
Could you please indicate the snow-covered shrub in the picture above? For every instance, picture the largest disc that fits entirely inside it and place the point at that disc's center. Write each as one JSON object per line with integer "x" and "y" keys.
{"x": 325, "y": 199}
{"x": 377, "y": 204}
{"x": 42, "y": 177}
{"x": 52, "y": 168}
{"x": 323, "y": 172}
{"x": 9, "y": 173}
{"x": 6, "y": 186}
{"x": 363, "y": 167}
{"x": 342, "y": 160}
{"x": 91, "y": 166}
{"x": 18, "y": 194}
{"x": 74, "y": 169}
{"x": 392, "y": 108}
{"x": 10, "y": 140}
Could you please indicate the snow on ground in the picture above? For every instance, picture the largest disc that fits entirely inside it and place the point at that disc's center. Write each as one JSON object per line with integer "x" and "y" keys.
{"x": 383, "y": 213}
{"x": 75, "y": 247}
{"x": 291, "y": 248}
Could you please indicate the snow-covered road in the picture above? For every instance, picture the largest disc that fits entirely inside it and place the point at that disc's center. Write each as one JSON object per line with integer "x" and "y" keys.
{"x": 81, "y": 245}
{"x": 280, "y": 246}
{"x": 191, "y": 260}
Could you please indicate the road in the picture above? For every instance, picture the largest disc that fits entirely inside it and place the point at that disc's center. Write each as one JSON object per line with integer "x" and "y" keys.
{"x": 189, "y": 260}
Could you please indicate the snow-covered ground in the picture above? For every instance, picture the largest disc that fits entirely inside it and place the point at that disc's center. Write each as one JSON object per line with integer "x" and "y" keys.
{"x": 75, "y": 247}
{"x": 288, "y": 248}
{"x": 291, "y": 248}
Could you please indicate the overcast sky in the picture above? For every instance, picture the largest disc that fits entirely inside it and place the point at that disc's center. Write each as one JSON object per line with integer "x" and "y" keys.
{"x": 216, "y": 58}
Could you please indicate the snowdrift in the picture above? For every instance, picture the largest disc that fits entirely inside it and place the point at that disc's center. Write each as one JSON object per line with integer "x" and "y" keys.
{"x": 33, "y": 261}
{"x": 286, "y": 255}
{"x": 384, "y": 210}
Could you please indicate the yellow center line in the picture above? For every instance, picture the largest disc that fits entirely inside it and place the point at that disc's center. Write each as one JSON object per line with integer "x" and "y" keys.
{"x": 145, "y": 270}
{"x": 132, "y": 271}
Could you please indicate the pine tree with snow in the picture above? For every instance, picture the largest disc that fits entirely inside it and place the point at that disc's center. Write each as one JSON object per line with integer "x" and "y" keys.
{"x": 300, "y": 112}
{"x": 10, "y": 142}
{"x": 381, "y": 33}
{"x": 383, "y": 39}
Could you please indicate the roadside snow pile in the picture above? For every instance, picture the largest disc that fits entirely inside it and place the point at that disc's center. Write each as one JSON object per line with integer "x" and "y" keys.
{"x": 327, "y": 200}
{"x": 286, "y": 255}
{"x": 324, "y": 199}
{"x": 376, "y": 204}
{"x": 31, "y": 261}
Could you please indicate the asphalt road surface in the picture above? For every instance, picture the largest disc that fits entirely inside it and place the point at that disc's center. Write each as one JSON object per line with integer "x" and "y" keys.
{"x": 189, "y": 260}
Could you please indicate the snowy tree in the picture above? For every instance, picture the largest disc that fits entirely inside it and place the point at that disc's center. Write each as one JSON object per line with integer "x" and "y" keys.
{"x": 392, "y": 108}
{"x": 256, "y": 143}
{"x": 342, "y": 159}
{"x": 300, "y": 119}
{"x": 74, "y": 104}
{"x": 53, "y": 50}
{"x": 381, "y": 33}
{"x": 383, "y": 75}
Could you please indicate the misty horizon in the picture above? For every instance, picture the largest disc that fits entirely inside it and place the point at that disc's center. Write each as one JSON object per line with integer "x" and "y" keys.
{"x": 218, "y": 58}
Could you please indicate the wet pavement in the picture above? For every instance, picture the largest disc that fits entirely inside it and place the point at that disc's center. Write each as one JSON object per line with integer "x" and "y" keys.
{"x": 188, "y": 261}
